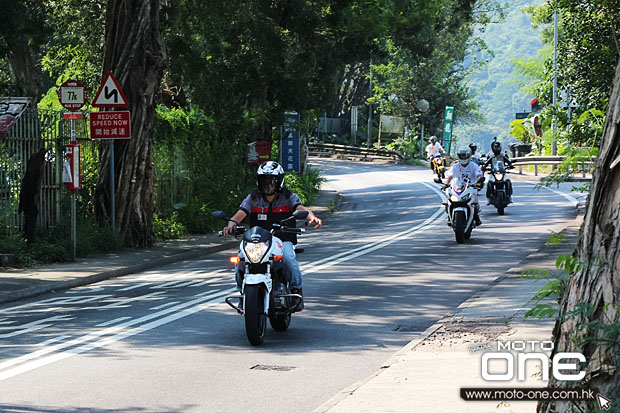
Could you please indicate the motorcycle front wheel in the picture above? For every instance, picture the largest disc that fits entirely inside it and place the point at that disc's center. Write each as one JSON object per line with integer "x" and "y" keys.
{"x": 255, "y": 317}
{"x": 459, "y": 226}
{"x": 501, "y": 202}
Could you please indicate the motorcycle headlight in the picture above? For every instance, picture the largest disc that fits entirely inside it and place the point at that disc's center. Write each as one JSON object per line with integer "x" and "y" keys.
{"x": 499, "y": 176}
{"x": 454, "y": 198}
{"x": 255, "y": 251}
{"x": 466, "y": 198}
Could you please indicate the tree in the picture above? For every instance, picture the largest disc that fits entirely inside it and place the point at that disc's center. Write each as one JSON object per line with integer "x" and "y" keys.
{"x": 590, "y": 303}
{"x": 134, "y": 51}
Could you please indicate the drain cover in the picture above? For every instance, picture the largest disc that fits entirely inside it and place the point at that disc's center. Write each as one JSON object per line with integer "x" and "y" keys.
{"x": 272, "y": 368}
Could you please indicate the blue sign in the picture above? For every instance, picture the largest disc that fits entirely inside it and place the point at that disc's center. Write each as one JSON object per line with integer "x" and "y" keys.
{"x": 289, "y": 150}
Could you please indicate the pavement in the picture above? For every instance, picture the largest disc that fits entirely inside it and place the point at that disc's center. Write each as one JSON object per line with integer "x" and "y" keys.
{"x": 424, "y": 376}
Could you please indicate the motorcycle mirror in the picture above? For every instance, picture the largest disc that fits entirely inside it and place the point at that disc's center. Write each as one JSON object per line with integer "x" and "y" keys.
{"x": 300, "y": 214}
{"x": 437, "y": 180}
{"x": 219, "y": 215}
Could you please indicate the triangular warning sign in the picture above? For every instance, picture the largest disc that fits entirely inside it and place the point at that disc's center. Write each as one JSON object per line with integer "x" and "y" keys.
{"x": 110, "y": 94}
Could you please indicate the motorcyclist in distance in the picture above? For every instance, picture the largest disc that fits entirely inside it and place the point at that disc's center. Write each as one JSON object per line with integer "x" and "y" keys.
{"x": 433, "y": 149}
{"x": 495, "y": 157}
{"x": 463, "y": 170}
{"x": 475, "y": 155}
{"x": 271, "y": 202}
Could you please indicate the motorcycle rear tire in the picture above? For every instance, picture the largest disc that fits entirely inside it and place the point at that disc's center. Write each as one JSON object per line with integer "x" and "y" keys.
{"x": 280, "y": 322}
{"x": 255, "y": 317}
{"x": 459, "y": 226}
{"x": 501, "y": 202}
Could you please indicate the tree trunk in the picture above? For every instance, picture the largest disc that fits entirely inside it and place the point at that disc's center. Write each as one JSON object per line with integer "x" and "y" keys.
{"x": 134, "y": 51}
{"x": 23, "y": 69}
{"x": 597, "y": 283}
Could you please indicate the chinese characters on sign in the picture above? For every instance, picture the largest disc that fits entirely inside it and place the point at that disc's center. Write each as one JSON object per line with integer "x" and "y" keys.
{"x": 110, "y": 125}
{"x": 289, "y": 149}
{"x": 447, "y": 128}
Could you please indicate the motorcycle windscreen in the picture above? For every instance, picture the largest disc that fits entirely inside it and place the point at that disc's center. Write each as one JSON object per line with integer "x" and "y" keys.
{"x": 257, "y": 234}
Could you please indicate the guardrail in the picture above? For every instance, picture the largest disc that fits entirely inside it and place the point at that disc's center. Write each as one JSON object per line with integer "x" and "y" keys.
{"x": 353, "y": 150}
{"x": 546, "y": 160}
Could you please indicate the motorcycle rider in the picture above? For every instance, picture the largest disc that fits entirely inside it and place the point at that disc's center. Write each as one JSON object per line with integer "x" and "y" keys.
{"x": 466, "y": 169}
{"x": 271, "y": 202}
{"x": 498, "y": 157}
{"x": 475, "y": 155}
{"x": 433, "y": 149}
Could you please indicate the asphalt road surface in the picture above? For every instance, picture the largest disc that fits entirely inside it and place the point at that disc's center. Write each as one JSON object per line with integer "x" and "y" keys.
{"x": 378, "y": 273}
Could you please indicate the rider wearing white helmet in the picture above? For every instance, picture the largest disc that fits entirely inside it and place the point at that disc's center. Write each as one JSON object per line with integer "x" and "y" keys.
{"x": 466, "y": 171}
{"x": 271, "y": 202}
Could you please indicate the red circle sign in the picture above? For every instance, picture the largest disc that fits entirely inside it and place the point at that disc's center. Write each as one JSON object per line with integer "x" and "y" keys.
{"x": 72, "y": 95}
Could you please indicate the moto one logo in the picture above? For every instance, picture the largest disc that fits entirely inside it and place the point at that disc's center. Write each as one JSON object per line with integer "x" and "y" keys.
{"x": 562, "y": 369}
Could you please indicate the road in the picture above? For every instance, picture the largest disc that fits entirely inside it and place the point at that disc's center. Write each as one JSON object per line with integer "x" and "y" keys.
{"x": 380, "y": 272}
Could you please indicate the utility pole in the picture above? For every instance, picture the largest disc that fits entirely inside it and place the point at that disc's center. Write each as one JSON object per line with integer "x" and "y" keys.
{"x": 370, "y": 106}
{"x": 554, "y": 127}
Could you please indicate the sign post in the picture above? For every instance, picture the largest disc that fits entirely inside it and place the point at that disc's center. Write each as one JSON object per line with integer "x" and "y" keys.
{"x": 447, "y": 128}
{"x": 72, "y": 96}
{"x": 110, "y": 125}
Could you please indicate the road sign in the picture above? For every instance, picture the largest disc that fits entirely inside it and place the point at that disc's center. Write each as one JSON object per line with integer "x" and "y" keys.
{"x": 72, "y": 115}
{"x": 290, "y": 151}
{"x": 72, "y": 95}
{"x": 110, "y": 125}
{"x": 447, "y": 128}
{"x": 110, "y": 94}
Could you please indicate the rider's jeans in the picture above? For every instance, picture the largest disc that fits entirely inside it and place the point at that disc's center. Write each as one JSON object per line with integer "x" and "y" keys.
{"x": 292, "y": 273}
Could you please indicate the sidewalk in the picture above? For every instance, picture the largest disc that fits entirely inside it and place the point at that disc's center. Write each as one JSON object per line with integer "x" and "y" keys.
{"x": 427, "y": 374}
{"x": 17, "y": 284}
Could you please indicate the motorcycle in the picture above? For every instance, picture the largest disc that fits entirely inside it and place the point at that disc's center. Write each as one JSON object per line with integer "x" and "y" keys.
{"x": 439, "y": 166}
{"x": 497, "y": 187}
{"x": 264, "y": 292}
{"x": 459, "y": 208}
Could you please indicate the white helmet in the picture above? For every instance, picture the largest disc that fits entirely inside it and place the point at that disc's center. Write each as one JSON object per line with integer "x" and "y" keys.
{"x": 464, "y": 155}
{"x": 270, "y": 178}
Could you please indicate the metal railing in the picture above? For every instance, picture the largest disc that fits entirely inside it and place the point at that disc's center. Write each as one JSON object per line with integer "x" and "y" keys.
{"x": 35, "y": 130}
{"x": 548, "y": 160}
{"x": 353, "y": 150}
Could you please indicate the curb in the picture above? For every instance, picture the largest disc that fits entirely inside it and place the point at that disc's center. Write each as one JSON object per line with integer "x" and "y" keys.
{"x": 105, "y": 275}
{"x": 396, "y": 357}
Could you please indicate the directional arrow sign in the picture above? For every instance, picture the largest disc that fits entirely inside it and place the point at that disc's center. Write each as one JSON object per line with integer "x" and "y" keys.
{"x": 110, "y": 94}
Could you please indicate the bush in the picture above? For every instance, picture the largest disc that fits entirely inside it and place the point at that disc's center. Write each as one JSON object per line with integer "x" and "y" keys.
{"x": 305, "y": 186}
{"x": 168, "y": 227}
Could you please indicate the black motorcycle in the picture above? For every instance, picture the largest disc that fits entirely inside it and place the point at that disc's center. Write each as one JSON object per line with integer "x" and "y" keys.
{"x": 499, "y": 189}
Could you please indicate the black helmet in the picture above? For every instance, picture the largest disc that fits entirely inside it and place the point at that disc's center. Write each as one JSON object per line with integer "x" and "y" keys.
{"x": 473, "y": 148}
{"x": 269, "y": 178}
{"x": 433, "y": 139}
{"x": 496, "y": 147}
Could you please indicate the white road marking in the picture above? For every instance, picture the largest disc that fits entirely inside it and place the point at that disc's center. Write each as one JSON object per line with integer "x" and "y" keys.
{"x": 32, "y": 326}
{"x": 159, "y": 307}
{"x": 51, "y": 341}
{"x": 178, "y": 312}
{"x": 116, "y": 320}
{"x": 122, "y": 303}
{"x": 134, "y": 286}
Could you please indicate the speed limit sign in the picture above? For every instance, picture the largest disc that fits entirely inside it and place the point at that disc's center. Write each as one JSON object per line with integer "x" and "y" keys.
{"x": 72, "y": 95}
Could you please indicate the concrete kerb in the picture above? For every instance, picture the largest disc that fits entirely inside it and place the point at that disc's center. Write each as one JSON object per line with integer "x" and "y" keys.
{"x": 399, "y": 355}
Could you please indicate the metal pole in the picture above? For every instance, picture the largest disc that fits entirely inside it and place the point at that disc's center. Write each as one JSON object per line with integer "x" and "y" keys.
{"x": 554, "y": 145}
{"x": 73, "y": 202}
{"x": 370, "y": 107}
{"x": 422, "y": 141}
{"x": 112, "y": 189}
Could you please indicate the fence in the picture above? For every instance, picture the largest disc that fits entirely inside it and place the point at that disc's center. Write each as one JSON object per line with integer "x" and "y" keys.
{"x": 36, "y": 130}
{"x": 547, "y": 160}
{"x": 352, "y": 150}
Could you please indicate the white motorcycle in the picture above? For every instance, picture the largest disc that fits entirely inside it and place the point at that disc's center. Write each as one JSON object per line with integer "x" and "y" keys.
{"x": 264, "y": 292}
{"x": 460, "y": 209}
